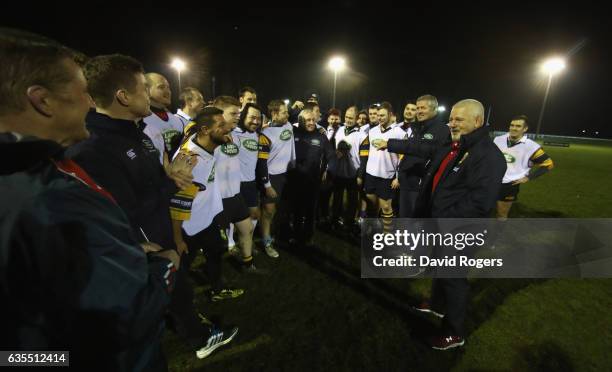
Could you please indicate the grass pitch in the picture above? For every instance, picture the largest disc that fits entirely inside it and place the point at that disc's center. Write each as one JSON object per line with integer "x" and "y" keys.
{"x": 314, "y": 312}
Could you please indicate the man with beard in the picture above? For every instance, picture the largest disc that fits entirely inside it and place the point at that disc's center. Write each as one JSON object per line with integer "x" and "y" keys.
{"x": 409, "y": 118}
{"x": 378, "y": 168}
{"x": 192, "y": 103}
{"x": 197, "y": 212}
{"x": 278, "y": 147}
{"x": 228, "y": 176}
{"x": 314, "y": 155}
{"x": 164, "y": 128}
{"x": 348, "y": 140}
{"x": 373, "y": 115}
{"x": 253, "y": 170}
{"x": 247, "y": 95}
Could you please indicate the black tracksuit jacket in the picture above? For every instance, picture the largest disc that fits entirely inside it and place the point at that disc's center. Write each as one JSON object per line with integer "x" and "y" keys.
{"x": 469, "y": 186}
{"x": 120, "y": 157}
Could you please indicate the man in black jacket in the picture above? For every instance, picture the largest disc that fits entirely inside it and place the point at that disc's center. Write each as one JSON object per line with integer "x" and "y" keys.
{"x": 73, "y": 276}
{"x": 461, "y": 181}
{"x": 314, "y": 155}
{"x": 431, "y": 128}
{"x": 122, "y": 158}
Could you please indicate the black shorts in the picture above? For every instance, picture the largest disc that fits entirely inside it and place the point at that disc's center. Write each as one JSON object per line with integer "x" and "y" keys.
{"x": 235, "y": 209}
{"x": 278, "y": 182}
{"x": 508, "y": 192}
{"x": 250, "y": 193}
{"x": 380, "y": 187}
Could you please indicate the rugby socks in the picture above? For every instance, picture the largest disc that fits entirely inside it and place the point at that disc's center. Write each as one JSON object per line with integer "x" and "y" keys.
{"x": 247, "y": 261}
{"x": 230, "y": 236}
{"x": 387, "y": 219}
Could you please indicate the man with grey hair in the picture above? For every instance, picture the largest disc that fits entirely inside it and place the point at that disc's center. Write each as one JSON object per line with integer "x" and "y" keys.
{"x": 314, "y": 156}
{"x": 462, "y": 181}
{"x": 430, "y": 128}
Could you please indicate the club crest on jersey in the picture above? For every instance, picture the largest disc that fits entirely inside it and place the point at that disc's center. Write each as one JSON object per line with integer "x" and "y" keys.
{"x": 378, "y": 142}
{"x": 250, "y": 144}
{"x": 285, "y": 135}
{"x": 229, "y": 149}
{"x": 509, "y": 158}
{"x": 428, "y": 136}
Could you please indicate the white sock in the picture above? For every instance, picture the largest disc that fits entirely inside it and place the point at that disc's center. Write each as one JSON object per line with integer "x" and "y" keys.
{"x": 230, "y": 236}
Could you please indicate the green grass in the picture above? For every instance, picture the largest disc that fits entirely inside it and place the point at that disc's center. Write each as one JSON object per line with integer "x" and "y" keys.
{"x": 314, "y": 312}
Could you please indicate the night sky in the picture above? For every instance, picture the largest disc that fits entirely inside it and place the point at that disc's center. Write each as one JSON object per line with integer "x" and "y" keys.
{"x": 484, "y": 52}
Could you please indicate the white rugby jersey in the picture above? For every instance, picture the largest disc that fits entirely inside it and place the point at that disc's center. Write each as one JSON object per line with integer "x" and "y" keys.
{"x": 198, "y": 205}
{"x": 382, "y": 163}
{"x": 329, "y": 131}
{"x": 227, "y": 169}
{"x": 167, "y": 129}
{"x": 248, "y": 144}
{"x": 518, "y": 156}
{"x": 408, "y": 131}
{"x": 278, "y": 141}
{"x": 364, "y": 128}
{"x": 183, "y": 117}
{"x": 353, "y": 137}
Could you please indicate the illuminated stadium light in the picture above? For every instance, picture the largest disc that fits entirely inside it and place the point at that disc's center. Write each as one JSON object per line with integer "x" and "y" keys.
{"x": 178, "y": 64}
{"x": 337, "y": 64}
{"x": 553, "y": 66}
{"x": 441, "y": 108}
{"x": 286, "y": 101}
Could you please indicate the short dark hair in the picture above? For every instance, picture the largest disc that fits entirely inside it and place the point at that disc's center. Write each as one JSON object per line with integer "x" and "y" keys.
{"x": 310, "y": 105}
{"x": 245, "y": 111}
{"x": 203, "y": 119}
{"x": 275, "y": 105}
{"x": 364, "y": 112}
{"x": 188, "y": 94}
{"x": 524, "y": 118}
{"x": 224, "y": 101}
{"x": 333, "y": 111}
{"x": 27, "y": 59}
{"x": 107, "y": 74}
{"x": 245, "y": 90}
{"x": 387, "y": 106}
{"x": 410, "y": 102}
{"x": 374, "y": 106}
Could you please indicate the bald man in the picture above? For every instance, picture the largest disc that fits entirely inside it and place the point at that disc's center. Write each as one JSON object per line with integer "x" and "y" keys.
{"x": 462, "y": 181}
{"x": 164, "y": 128}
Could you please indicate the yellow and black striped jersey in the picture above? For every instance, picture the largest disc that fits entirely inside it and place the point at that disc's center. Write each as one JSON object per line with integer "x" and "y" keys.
{"x": 521, "y": 156}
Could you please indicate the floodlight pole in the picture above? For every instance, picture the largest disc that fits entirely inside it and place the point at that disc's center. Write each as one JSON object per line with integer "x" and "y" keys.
{"x": 550, "y": 76}
{"x": 179, "y": 80}
{"x": 334, "y": 95}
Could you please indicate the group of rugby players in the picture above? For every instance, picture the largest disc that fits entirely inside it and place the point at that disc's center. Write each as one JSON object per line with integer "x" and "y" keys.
{"x": 195, "y": 179}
